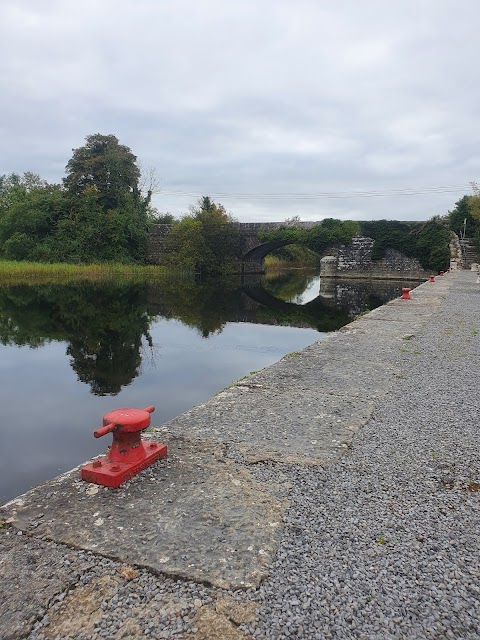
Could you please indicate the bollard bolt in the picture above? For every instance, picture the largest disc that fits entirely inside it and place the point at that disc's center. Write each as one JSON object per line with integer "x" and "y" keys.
{"x": 432, "y": 278}
{"x": 442, "y": 273}
{"x": 128, "y": 454}
{"x": 405, "y": 293}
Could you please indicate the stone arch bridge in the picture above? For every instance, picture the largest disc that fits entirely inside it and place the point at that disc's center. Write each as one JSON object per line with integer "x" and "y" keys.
{"x": 352, "y": 260}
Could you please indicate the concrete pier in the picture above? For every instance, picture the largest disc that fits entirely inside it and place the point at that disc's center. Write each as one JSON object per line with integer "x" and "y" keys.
{"x": 206, "y": 544}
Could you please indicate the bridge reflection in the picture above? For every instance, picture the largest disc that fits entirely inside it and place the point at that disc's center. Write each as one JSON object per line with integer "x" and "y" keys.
{"x": 337, "y": 302}
{"x": 104, "y": 341}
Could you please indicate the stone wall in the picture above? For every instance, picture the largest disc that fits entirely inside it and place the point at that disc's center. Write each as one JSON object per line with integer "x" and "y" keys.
{"x": 354, "y": 261}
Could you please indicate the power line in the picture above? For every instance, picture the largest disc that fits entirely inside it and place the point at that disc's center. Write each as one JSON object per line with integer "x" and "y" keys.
{"x": 324, "y": 194}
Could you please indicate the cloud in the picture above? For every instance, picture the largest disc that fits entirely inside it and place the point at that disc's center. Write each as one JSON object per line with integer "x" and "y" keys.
{"x": 252, "y": 98}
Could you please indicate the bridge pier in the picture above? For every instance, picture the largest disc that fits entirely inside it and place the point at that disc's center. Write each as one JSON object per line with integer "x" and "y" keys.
{"x": 329, "y": 266}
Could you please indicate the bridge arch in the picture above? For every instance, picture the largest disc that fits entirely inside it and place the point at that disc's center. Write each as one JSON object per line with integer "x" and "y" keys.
{"x": 252, "y": 260}
{"x": 258, "y": 253}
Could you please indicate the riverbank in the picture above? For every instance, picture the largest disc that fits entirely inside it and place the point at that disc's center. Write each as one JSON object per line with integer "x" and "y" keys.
{"x": 12, "y": 273}
{"x": 272, "y": 518}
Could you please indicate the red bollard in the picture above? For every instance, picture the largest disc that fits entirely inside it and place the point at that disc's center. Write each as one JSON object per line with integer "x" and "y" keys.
{"x": 442, "y": 273}
{"x": 432, "y": 278}
{"x": 405, "y": 294}
{"x": 128, "y": 454}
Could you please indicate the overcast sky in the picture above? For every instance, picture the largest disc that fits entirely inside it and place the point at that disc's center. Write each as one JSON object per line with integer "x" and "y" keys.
{"x": 263, "y": 104}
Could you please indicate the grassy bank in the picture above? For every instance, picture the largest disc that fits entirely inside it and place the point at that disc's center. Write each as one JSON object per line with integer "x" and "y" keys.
{"x": 12, "y": 272}
{"x": 272, "y": 263}
{"x": 292, "y": 257}
{"x": 62, "y": 273}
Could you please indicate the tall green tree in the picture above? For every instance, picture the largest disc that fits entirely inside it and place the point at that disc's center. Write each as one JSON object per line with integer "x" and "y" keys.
{"x": 105, "y": 174}
{"x": 105, "y": 165}
{"x": 462, "y": 213}
{"x": 207, "y": 241}
{"x": 101, "y": 213}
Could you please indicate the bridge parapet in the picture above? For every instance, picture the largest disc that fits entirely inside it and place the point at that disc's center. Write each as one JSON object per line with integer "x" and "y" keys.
{"x": 255, "y": 227}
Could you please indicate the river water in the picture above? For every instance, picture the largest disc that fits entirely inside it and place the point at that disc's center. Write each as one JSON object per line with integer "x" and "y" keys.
{"x": 69, "y": 354}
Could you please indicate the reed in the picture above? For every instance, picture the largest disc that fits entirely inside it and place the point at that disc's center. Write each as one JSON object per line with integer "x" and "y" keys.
{"x": 272, "y": 263}
{"x": 43, "y": 273}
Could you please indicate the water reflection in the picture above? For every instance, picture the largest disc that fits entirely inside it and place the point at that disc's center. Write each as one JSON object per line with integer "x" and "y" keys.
{"x": 103, "y": 327}
{"x": 106, "y": 325}
{"x": 69, "y": 349}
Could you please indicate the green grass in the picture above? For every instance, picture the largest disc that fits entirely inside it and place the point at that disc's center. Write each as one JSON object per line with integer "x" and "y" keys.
{"x": 62, "y": 273}
{"x": 236, "y": 382}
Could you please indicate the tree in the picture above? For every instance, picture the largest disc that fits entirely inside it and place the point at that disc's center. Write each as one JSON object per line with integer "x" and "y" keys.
{"x": 317, "y": 238}
{"x": 15, "y": 188}
{"x": 108, "y": 167}
{"x": 207, "y": 241}
{"x": 105, "y": 174}
{"x": 221, "y": 233}
{"x": 100, "y": 214}
{"x": 29, "y": 211}
{"x": 185, "y": 244}
{"x": 163, "y": 218}
{"x": 461, "y": 213}
{"x": 432, "y": 244}
{"x": 19, "y": 247}
{"x": 474, "y": 203}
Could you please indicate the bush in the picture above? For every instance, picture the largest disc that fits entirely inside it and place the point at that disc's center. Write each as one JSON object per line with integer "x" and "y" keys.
{"x": 207, "y": 241}
{"x": 318, "y": 238}
{"x": 19, "y": 247}
{"x": 426, "y": 241}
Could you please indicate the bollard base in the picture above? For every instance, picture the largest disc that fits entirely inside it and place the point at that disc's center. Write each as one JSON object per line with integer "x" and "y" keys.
{"x": 112, "y": 474}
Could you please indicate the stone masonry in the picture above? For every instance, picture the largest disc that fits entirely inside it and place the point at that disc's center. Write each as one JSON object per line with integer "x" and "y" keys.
{"x": 352, "y": 260}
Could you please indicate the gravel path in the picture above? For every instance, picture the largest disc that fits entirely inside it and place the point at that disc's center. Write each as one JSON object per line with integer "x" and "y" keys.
{"x": 382, "y": 544}
{"x": 386, "y": 543}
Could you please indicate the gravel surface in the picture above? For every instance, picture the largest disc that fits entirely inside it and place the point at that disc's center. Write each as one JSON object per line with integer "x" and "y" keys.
{"x": 385, "y": 543}
{"x": 382, "y": 544}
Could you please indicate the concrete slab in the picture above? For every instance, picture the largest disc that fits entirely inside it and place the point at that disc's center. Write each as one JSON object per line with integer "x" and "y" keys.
{"x": 305, "y": 427}
{"x": 197, "y": 515}
{"x": 29, "y": 583}
{"x": 332, "y": 370}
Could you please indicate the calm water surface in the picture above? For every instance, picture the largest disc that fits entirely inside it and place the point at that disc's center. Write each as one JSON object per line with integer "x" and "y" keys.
{"x": 69, "y": 354}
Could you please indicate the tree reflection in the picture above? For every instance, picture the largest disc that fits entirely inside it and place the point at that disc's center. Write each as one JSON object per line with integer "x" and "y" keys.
{"x": 104, "y": 325}
{"x": 204, "y": 304}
